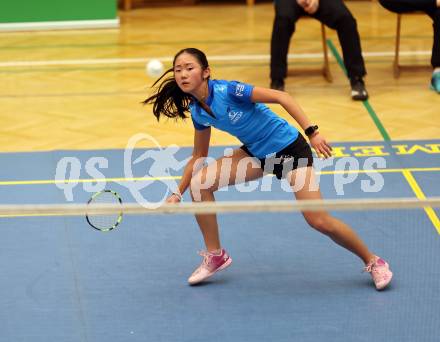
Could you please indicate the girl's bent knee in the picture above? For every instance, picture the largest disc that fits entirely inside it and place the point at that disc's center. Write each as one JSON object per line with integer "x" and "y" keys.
{"x": 320, "y": 223}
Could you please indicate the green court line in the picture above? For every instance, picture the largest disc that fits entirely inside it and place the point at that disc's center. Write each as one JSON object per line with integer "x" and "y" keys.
{"x": 376, "y": 120}
{"x": 366, "y": 104}
{"x": 138, "y": 179}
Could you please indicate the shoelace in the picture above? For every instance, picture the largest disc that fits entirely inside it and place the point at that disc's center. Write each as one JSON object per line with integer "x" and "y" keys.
{"x": 376, "y": 270}
{"x": 207, "y": 258}
{"x": 369, "y": 267}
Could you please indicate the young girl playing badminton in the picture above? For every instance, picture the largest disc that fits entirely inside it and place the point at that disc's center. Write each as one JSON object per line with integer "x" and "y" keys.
{"x": 270, "y": 144}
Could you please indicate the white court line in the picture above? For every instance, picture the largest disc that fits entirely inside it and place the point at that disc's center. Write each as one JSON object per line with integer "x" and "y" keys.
{"x": 225, "y": 58}
{"x": 61, "y": 24}
{"x": 64, "y": 32}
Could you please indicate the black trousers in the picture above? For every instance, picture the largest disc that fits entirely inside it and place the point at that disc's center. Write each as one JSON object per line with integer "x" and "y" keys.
{"x": 427, "y": 6}
{"x": 332, "y": 13}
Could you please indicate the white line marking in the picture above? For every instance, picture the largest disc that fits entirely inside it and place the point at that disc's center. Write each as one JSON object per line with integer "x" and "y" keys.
{"x": 65, "y": 25}
{"x": 226, "y": 58}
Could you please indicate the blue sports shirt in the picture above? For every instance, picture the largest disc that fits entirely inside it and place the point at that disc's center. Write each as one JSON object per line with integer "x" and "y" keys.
{"x": 254, "y": 124}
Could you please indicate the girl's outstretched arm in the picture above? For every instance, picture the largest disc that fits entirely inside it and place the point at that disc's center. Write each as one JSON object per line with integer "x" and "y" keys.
{"x": 200, "y": 151}
{"x": 265, "y": 95}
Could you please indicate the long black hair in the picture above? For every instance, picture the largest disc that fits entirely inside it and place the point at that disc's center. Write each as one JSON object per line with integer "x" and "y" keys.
{"x": 169, "y": 100}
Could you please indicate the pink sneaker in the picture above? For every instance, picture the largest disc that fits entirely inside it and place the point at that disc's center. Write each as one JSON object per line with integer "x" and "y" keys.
{"x": 211, "y": 264}
{"x": 380, "y": 272}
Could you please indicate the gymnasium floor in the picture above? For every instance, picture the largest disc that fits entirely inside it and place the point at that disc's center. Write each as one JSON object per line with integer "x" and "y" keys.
{"x": 76, "y": 94}
{"x": 64, "y": 281}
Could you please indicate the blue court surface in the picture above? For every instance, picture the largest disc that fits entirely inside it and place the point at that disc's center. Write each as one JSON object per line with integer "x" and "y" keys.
{"x": 63, "y": 281}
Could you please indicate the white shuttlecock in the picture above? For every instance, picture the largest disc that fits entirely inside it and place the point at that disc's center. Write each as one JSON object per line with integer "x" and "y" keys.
{"x": 154, "y": 68}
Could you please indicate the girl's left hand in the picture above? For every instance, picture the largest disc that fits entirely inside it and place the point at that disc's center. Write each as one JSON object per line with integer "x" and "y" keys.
{"x": 320, "y": 145}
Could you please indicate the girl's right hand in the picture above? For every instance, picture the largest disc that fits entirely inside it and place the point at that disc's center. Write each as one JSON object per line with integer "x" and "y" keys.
{"x": 320, "y": 145}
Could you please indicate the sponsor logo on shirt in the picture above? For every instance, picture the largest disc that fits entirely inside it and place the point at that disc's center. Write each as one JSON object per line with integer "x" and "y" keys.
{"x": 239, "y": 90}
{"x": 234, "y": 115}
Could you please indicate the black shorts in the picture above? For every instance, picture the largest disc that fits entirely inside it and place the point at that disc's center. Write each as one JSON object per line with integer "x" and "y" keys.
{"x": 296, "y": 155}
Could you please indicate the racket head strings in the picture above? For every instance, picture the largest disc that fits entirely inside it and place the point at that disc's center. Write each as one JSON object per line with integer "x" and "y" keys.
{"x": 104, "y": 222}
